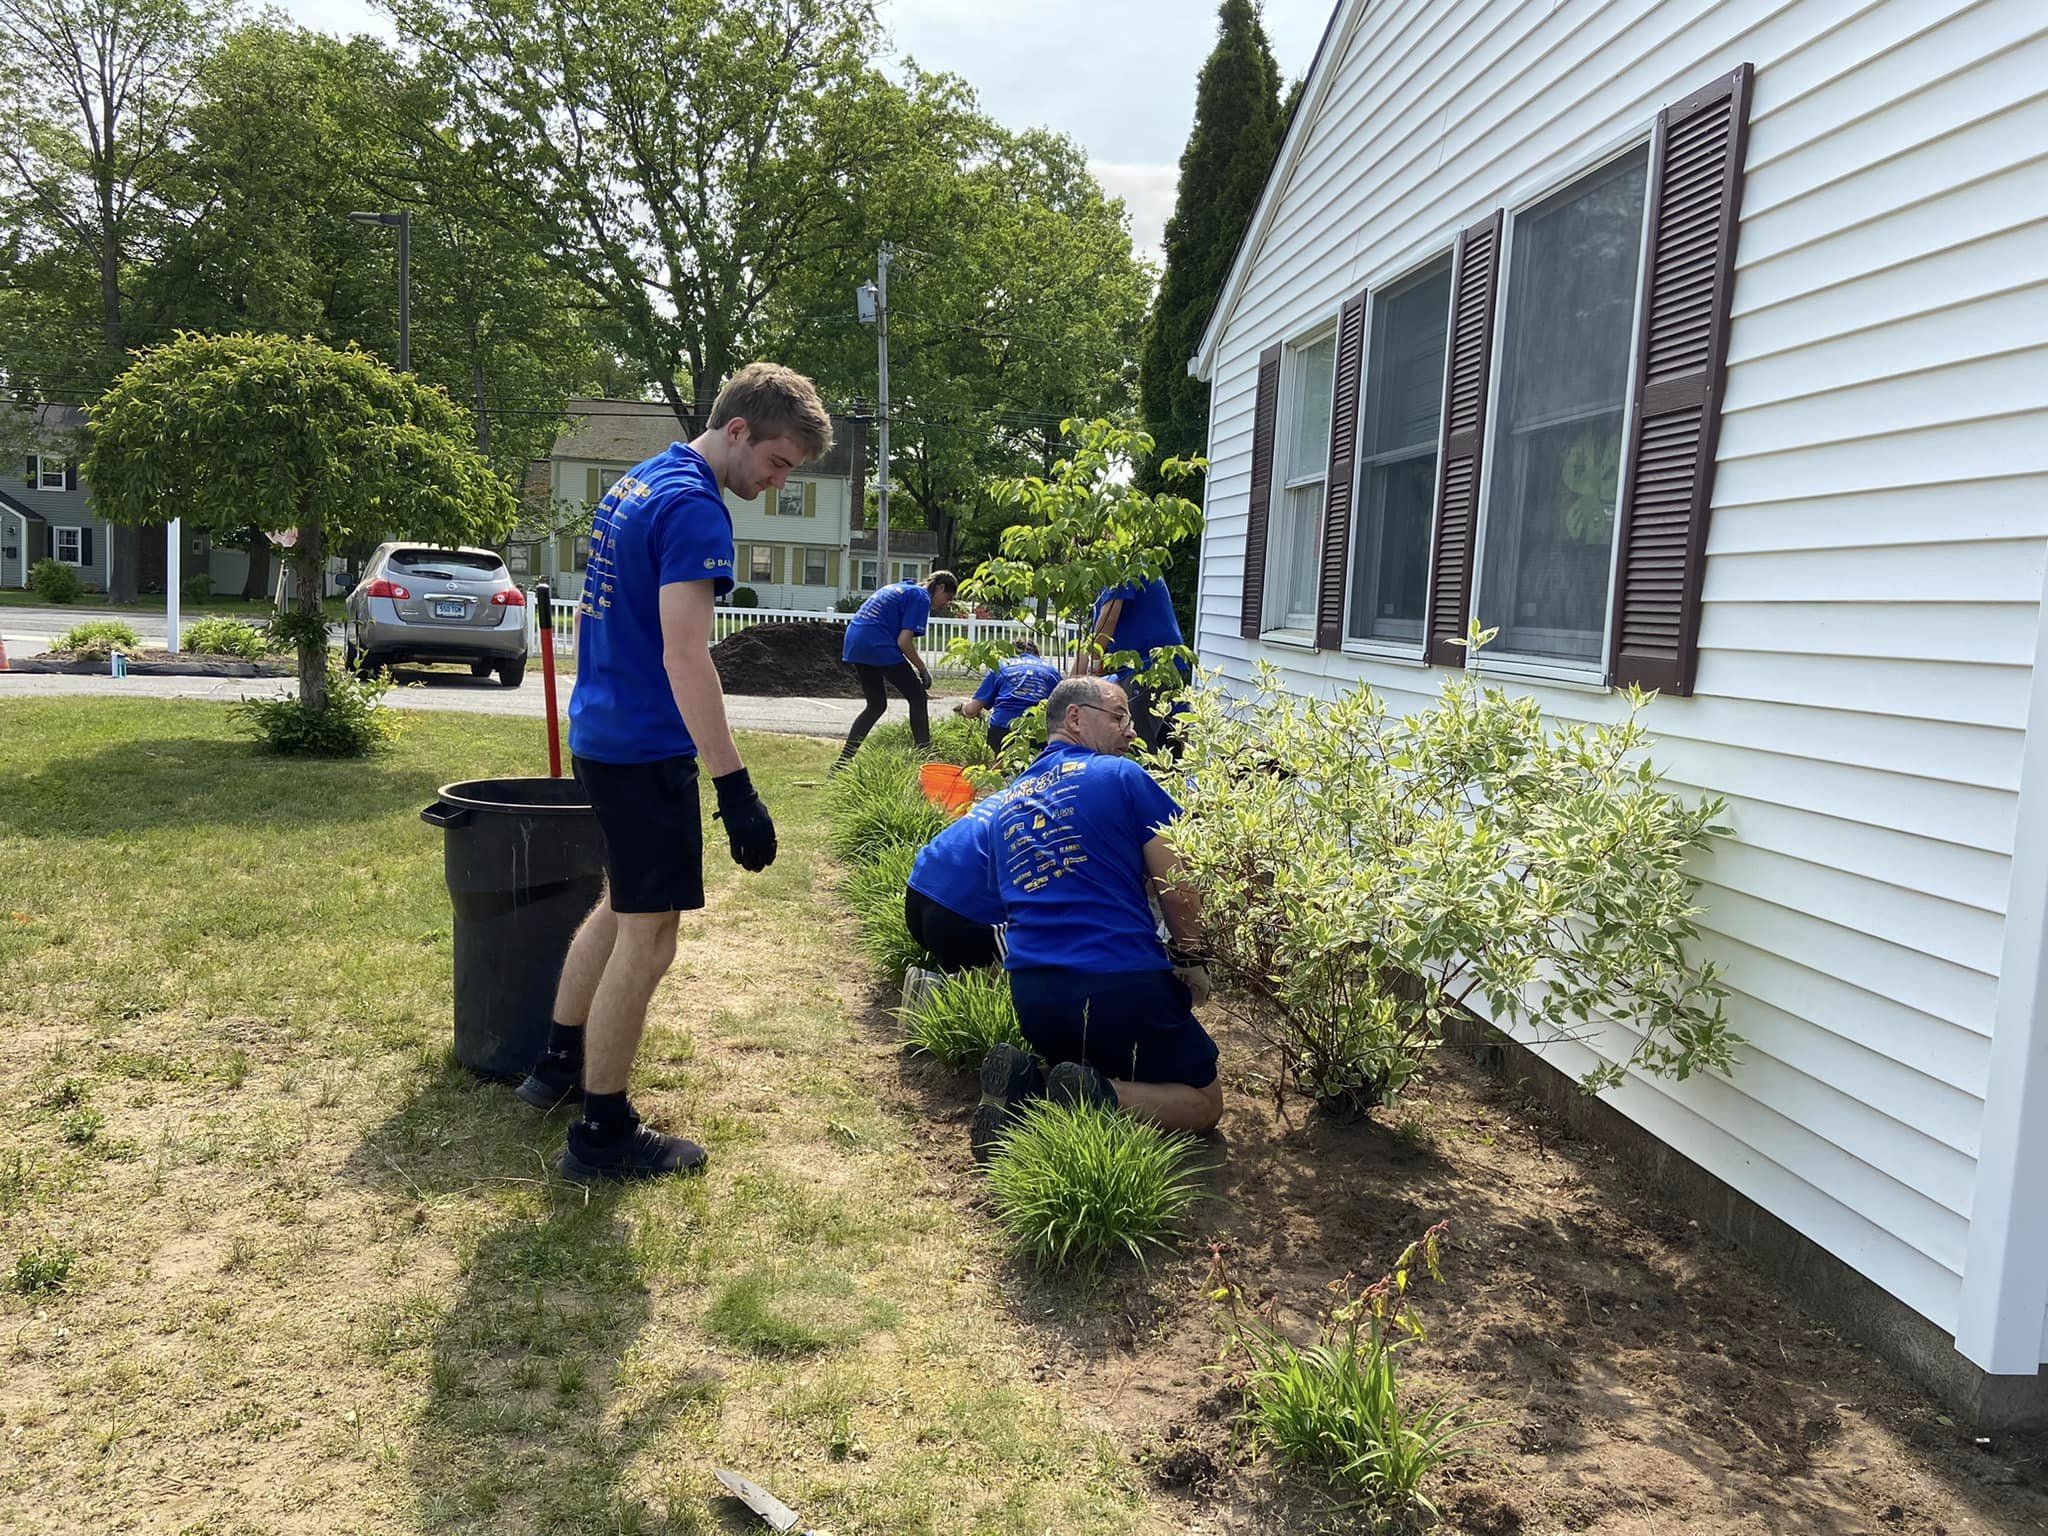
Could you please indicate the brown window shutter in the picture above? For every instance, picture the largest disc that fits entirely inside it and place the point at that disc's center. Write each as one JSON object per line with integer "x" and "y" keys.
{"x": 1681, "y": 347}
{"x": 1457, "y": 487}
{"x": 1337, "y": 489}
{"x": 1265, "y": 414}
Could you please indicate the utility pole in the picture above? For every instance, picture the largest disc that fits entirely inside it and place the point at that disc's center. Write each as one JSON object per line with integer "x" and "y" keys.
{"x": 874, "y": 306}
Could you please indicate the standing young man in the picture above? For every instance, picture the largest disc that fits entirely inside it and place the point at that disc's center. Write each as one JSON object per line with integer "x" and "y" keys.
{"x": 647, "y": 708}
{"x": 881, "y": 647}
{"x": 1136, "y": 617}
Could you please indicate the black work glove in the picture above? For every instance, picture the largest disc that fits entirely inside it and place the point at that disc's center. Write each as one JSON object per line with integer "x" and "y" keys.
{"x": 924, "y": 678}
{"x": 747, "y": 826}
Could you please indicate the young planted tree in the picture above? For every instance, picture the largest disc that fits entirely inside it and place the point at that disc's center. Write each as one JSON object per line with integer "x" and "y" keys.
{"x": 333, "y": 447}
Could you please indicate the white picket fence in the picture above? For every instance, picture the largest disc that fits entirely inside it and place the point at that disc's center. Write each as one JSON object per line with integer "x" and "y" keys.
{"x": 939, "y": 632}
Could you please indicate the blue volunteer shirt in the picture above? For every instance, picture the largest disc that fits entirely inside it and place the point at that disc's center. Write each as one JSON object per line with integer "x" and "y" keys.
{"x": 1069, "y": 862}
{"x": 871, "y": 637}
{"x": 952, "y": 869}
{"x": 663, "y": 522}
{"x": 1015, "y": 686}
{"x": 1146, "y": 622}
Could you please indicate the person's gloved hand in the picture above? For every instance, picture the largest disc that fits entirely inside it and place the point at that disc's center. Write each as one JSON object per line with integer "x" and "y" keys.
{"x": 1193, "y": 971}
{"x": 924, "y": 678}
{"x": 747, "y": 826}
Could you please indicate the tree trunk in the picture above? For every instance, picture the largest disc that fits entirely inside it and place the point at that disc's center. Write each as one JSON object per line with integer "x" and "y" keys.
{"x": 256, "y": 586}
{"x": 309, "y": 559}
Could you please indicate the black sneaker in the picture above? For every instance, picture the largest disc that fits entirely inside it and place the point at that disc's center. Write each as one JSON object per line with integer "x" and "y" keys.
{"x": 1075, "y": 1082}
{"x": 640, "y": 1152}
{"x": 552, "y": 1083}
{"x": 1009, "y": 1077}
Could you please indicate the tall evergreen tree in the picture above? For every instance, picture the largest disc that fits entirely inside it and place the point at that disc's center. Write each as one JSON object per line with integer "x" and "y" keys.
{"x": 1238, "y": 124}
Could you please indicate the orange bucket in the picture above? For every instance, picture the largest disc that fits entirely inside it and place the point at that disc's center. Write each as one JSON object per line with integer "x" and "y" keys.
{"x": 946, "y": 786}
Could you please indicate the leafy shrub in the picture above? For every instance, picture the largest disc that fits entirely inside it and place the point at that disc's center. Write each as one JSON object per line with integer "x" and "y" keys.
{"x": 876, "y": 804}
{"x": 874, "y": 893}
{"x": 1336, "y": 1406}
{"x": 744, "y": 597}
{"x": 1079, "y": 1184}
{"x": 1362, "y": 876}
{"x": 198, "y": 587}
{"x": 44, "y": 1267}
{"x": 959, "y": 1017}
{"x": 228, "y": 637}
{"x": 55, "y": 582}
{"x": 101, "y": 637}
{"x": 849, "y": 604}
{"x": 955, "y": 739}
{"x": 355, "y": 722}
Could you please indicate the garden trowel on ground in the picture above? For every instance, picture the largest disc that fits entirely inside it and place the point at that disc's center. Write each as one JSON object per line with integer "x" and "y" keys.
{"x": 763, "y": 1503}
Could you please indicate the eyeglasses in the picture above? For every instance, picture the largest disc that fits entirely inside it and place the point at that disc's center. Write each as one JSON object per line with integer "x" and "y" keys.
{"x": 1120, "y": 716}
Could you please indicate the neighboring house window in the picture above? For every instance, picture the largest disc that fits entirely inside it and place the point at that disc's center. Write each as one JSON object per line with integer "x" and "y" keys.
{"x": 517, "y": 560}
{"x": 1397, "y": 456}
{"x": 579, "y": 552}
{"x": 49, "y": 475}
{"x": 908, "y": 570}
{"x": 69, "y": 544}
{"x": 1294, "y": 537}
{"x": 797, "y": 500}
{"x": 814, "y": 567}
{"x": 761, "y": 562}
{"x": 866, "y": 576}
{"x": 1555, "y": 441}
{"x": 597, "y": 481}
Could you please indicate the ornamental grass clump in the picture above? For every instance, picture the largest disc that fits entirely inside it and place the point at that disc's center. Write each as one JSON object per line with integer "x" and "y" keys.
{"x": 217, "y": 636}
{"x": 957, "y": 1018}
{"x": 1338, "y": 1407}
{"x": 876, "y": 804}
{"x": 874, "y": 894}
{"x": 955, "y": 739}
{"x": 1363, "y": 875}
{"x": 97, "y": 640}
{"x": 1075, "y": 1185}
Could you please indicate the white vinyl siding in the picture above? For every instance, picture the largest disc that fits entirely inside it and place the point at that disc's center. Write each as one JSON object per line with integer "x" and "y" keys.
{"x": 1876, "y": 552}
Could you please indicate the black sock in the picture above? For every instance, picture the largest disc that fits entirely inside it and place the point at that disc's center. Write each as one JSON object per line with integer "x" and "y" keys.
{"x": 607, "y": 1113}
{"x": 566, "y": 1041}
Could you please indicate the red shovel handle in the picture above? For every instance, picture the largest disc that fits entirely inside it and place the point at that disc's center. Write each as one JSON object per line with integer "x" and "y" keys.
{"x": 544, "y": 604}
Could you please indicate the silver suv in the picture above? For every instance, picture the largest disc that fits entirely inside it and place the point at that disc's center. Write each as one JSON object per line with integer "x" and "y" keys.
{"x": 419, "y": 603}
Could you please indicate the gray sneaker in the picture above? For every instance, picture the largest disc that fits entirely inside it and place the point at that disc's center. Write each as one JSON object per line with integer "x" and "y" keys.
{"x": 1009, "y": 1079}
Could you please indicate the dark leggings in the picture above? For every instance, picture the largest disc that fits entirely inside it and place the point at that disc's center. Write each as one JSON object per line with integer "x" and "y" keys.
{"x": 872, "y": 680}
{"x": 950, "y": 941}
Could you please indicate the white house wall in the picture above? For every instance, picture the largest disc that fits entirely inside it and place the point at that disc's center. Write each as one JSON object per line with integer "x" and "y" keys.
{"x": 1876, "y": 553}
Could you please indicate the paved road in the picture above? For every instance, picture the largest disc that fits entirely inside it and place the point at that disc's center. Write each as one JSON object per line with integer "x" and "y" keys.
{"x": 438, "y": 690}
{"x": 29, "y": 631}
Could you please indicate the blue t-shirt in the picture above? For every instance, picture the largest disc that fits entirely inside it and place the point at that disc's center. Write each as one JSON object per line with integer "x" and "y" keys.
{"x": 871, "y": 637}
{"x": 1069, "y": 862}
{"x": 662, "y": 523}
{"x": 1145, "y": 623}
{"x": 952, "y": 869}
{"x": 1016, "y": 685}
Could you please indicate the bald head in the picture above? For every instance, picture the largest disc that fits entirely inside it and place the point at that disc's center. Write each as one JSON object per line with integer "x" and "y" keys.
{"x": 1091, "y": 712}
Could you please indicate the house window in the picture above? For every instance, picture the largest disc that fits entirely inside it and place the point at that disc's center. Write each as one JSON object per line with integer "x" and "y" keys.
{"x": 761, "y": 562}
{"x": 1547, "y": 536}
{"x": 68, "y": 545}
{"x": 865, "y": 575}
{"x": 1293, "y": 540}
{"x": 49, "y": 474}
{"x": 797, "y": 500}
{"x": 814, "y": 567}
{"x": 518, "y": 559}
{"x": 907, "y": 570}
{"x": 1397, "y": 456}
{"x": 579, "y": 551}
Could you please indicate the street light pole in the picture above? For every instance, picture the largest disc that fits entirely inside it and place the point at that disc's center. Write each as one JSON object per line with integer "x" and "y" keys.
{"x": 873, "y": 307}
{"x": 402, "y": 222}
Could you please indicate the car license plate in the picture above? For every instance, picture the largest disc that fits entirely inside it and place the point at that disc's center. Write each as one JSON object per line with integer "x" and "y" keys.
{"x": 450, "y": 610}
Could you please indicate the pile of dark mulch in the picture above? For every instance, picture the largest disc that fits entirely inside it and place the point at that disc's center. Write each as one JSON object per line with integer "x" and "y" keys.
{"x": 785, "y": 661}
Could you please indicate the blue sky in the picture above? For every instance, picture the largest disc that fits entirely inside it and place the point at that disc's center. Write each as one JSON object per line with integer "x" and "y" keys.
{"x": 1117, "y": 75}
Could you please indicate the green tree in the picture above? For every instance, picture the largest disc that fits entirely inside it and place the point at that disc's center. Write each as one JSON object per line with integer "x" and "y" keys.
{"x": 1229, "y": 153}
{"x": 333, "y": 445}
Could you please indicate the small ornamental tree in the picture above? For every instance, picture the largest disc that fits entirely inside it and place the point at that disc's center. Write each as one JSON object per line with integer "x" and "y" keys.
{"x": 1086, "y": 528}
{"x": 331, "y": 447}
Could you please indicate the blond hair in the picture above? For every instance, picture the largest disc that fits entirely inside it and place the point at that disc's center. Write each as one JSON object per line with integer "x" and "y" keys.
{"x": 775, "y": 401}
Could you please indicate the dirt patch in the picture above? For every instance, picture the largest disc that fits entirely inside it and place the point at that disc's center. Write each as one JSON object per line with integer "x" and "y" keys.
{"x": 785, "y": 661}
{"x": 1641, "y": 1374}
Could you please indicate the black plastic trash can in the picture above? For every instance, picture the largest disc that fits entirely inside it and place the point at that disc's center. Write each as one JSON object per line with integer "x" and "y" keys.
{"x": 525, "y": 864}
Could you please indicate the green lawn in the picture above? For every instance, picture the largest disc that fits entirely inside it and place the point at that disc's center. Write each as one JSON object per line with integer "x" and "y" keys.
{"x": 270, "y": 1261}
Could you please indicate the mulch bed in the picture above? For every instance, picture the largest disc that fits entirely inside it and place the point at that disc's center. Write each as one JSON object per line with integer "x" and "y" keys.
{"x": 786, "y": 661}
{"x": 159, "y": 666}
{"x": 1642, "y": 1375}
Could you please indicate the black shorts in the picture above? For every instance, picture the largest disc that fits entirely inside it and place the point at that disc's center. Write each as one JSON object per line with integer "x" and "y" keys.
{"x": 1132, "y": 1026}
{"x": 653, "y": 832}
{"x": 951, "y": 941}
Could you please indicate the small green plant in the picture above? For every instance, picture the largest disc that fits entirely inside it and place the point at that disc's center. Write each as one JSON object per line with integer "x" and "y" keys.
{"x": 744, "y": 597}
{"x": 198, "y": 587}
{"x": 55, "y": 582}
{"x": 876, "y": 804}
{"x": 43, "y": 1268}
{"x": 1077, "y": 1184}
{"x": 874, "y": 894}
{"x": 355, "y": 723}
{"x": 101, "y": 637}
{"x": 955, "y": 739}
{"x": 81, "y": 1126}
{"x": 959, "y": 1017}
{"x": 1337, "y": 1406}
{"x": 218, "y": 636}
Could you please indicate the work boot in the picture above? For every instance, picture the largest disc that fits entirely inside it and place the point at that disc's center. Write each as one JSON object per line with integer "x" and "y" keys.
{"x": 635, "y": 1151}
{"x": 1075, "y": 1082}
{"x": 1009, "y": 1079}
{"x": 553, "y": 1082}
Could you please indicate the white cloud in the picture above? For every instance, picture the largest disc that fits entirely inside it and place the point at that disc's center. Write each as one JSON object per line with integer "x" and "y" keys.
{"x": 1148, "y": 192}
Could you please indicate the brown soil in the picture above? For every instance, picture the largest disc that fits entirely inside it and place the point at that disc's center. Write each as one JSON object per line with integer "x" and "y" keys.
{"x": 785, "y": 661}
{"x": 1643, "y": 1376}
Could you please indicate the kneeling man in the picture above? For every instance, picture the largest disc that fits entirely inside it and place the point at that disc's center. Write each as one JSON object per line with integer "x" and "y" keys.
{"x": 1077, "y": 850}
{"x": 949, "y": 905}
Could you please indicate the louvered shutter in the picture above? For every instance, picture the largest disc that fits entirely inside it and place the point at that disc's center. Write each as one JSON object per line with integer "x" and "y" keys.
{"x": 85, "y": 548}
{"x": 1681, "y": 349}
{"x": 30, "y": 474}
{"x": 1449, "y": 610}
{"x": 810, "y": 498}
{"x": 593, "y": 485}
{"x": 70, "y": 477}
{"x": 1265, "y": 413}
{"x": 1335, "y": 551}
